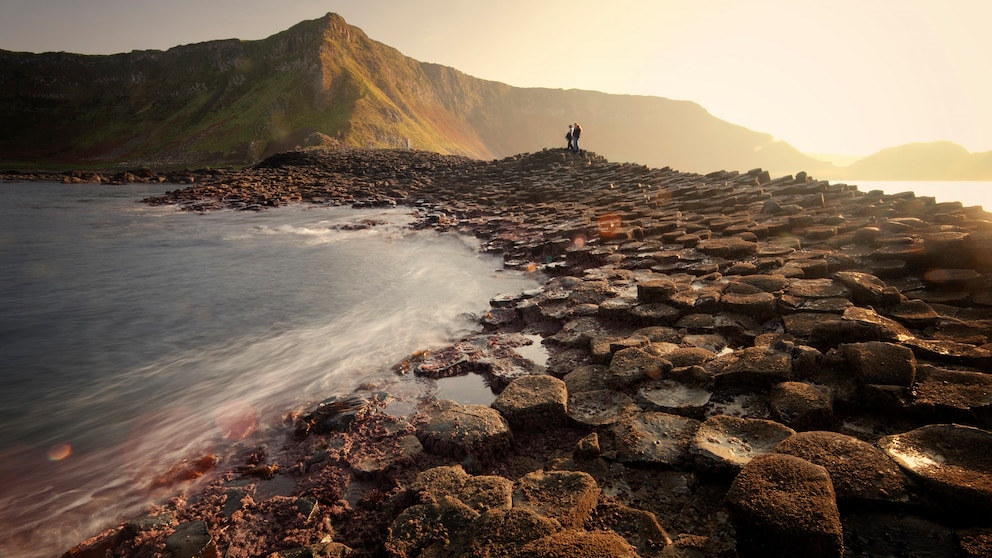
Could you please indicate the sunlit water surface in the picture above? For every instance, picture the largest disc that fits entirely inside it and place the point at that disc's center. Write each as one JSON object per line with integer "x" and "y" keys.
{"x": 132, "y": 337}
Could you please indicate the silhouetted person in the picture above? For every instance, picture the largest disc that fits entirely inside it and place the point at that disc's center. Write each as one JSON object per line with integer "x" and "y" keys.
{"x": 576, "y": 132}
{"x": 568, "y": 137}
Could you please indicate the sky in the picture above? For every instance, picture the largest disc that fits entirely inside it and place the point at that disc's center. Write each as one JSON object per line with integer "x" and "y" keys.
{"x": 827, "y": 76}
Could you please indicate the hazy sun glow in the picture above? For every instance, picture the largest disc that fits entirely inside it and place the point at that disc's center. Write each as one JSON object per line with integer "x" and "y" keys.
{"x": 842, "y": 77}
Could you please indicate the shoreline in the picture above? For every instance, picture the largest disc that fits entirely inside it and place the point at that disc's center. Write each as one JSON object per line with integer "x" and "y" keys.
{"x": 709, "y": 337}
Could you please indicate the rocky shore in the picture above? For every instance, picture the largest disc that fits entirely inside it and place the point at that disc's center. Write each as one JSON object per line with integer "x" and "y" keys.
{"x": 739, "y": 365}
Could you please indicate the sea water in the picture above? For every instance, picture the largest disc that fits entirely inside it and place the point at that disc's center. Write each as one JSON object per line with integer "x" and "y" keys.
{"x": 133, "y": 337}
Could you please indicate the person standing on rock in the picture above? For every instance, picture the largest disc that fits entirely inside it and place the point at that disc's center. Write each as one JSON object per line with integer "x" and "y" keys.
{"x": 568, "y": 137}
{"x": 576, "y": 132}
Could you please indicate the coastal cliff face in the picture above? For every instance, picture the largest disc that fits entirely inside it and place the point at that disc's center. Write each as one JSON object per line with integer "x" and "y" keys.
{"x": 235, "y": 102}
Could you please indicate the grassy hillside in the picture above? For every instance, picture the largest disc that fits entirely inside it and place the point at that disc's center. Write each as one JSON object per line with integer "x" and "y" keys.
{"x": 234, "y": 102}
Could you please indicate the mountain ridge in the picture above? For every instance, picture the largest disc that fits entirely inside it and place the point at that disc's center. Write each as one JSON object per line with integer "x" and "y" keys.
{"x": 232, "y": 102}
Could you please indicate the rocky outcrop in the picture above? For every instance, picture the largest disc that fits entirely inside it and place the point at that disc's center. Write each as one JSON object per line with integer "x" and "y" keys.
{"x": 738, "y": 366}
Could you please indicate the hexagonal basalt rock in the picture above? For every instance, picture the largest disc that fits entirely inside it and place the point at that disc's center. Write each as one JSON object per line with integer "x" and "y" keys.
{"x": 857, "y": 325}
{"x": 579, "y": 543}
{"x": 537, "y": 402}
{"x": 802, "y": 406}
{"x": 631, "y": 366}
{"x": 881, "y": 363}
{"x": 953, "y": 461}
{"x": 753, "y": 366}
{"x": 464, "y": 431}
{"x": 656, "y": 438}
{"x": 729, "y": 248}
{"x": 859, "y": 471}
{"x": 600, "y": 407}
{"x": 565, "y": 496}
{"x": 673, "y": 397}
{"x": 725, "y": 443}
{"x": 785, "y": 506}
{"x": 482, "y": 492}
{"x": 430, "y": 528}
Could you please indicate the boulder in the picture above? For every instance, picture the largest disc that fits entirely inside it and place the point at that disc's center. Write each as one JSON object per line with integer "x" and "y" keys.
{"x": 632, "y": 366}
{"x": 857, "y": 325}
{"x": 568, "y": 497}
{"x": 482, "y": 492}
{"x": 860, "y": 472}
{"x": 802, "y": 406}
{"x": 881, "y": 363}
{"x": 785, "y": 506}
{"x": 536, "y": 402}
{"x": 751, "y": 367}
{"x": 473, "y": 432}
{"x": 437, "y": 528}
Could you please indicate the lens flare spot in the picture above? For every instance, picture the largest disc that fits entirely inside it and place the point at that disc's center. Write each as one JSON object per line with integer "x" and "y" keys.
{"x": 531, "y": 267}
{"x": 609, "y": 225}
{"x": 236, "y": 420}
{"x": 579, "y": 241}
{"x": 59, "y": 452}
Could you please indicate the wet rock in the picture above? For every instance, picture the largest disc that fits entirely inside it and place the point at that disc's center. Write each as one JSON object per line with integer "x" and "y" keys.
{"x": 785, "y": 506}
{"x": 537, "y": 402}
{"x": 802, "y": 406}
{"x": 860, "y": 472}
{"x": 474, "y": 432}
{"x": 600, "y": 407}
{"x": 954, "y": 462}
{"x": 725, "y": 443}
{"x": 673, "y": 397}
{"x": 657, "y": 438}
{"x": 950, "y": 352}
{"x": 334, "y": 414}
{"x": 192, "y": 540}
{"x": 565, "y": 496}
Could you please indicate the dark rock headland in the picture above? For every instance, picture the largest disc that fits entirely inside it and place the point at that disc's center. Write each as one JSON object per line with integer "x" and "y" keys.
{"x": 738, "y": 366}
